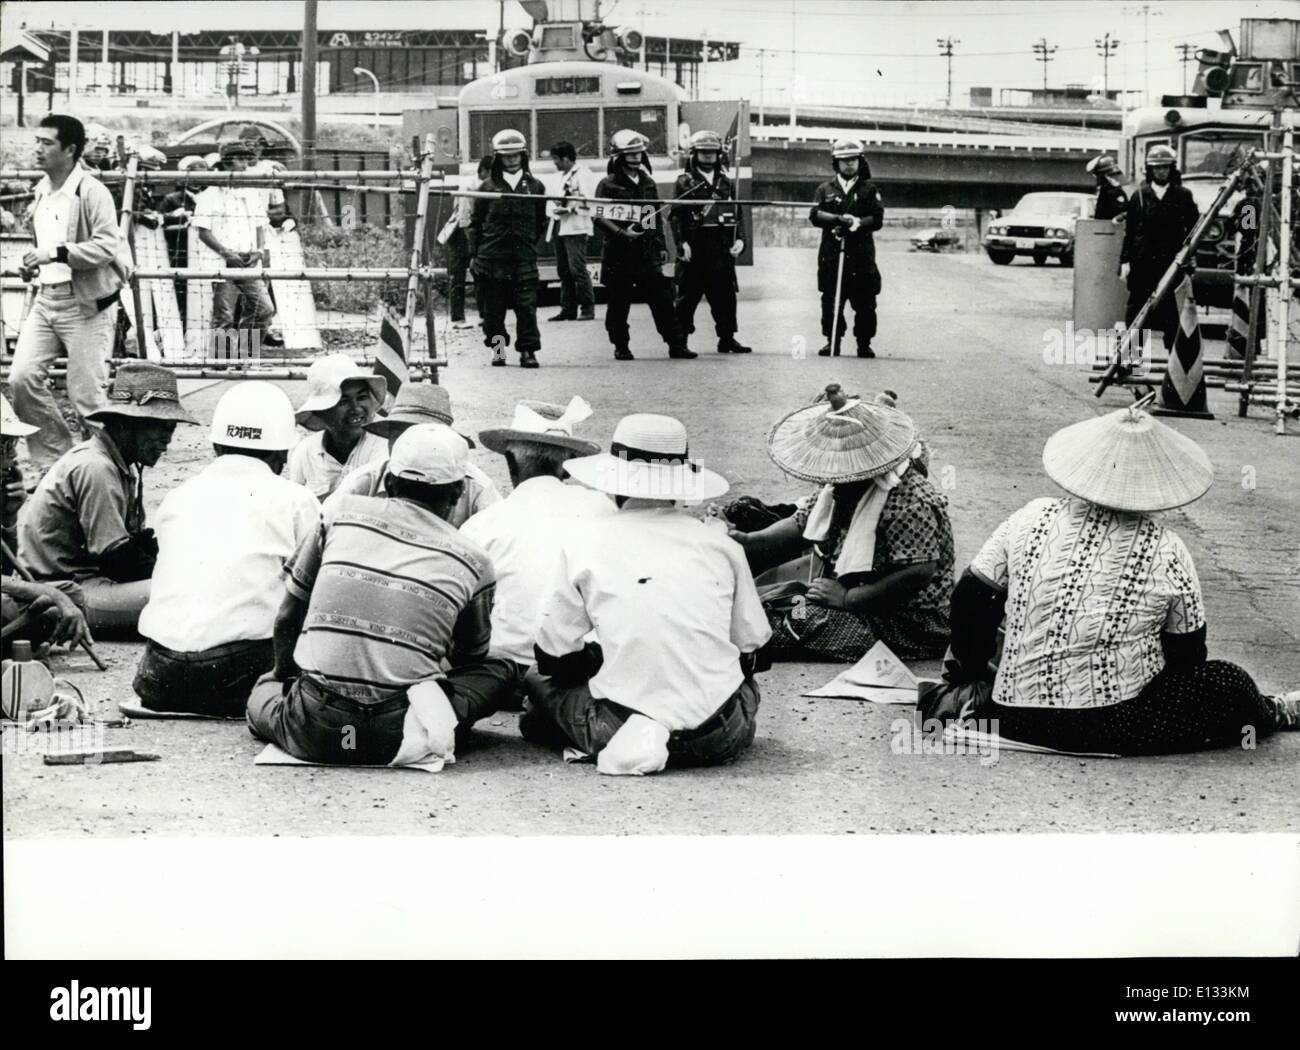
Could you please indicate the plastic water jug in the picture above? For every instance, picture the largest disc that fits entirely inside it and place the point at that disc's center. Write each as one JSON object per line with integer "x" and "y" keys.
{"x": 26, "y": 685}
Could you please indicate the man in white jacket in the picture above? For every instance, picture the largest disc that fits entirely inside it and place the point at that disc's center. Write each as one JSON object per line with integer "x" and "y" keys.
{"x": 571, "y": 227}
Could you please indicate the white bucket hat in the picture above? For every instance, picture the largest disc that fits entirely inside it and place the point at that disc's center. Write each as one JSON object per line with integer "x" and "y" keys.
{"x": 325, "y": 379}
{"x": 648, "y": 459}
{"x": 1127, "y": 460}
{"x": 10, "y": 424}
{"x": 543, "y": 424}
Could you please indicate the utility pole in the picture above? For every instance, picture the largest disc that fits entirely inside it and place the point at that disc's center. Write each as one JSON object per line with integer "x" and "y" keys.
{"x": 1106, "y": 47}
{"x": 501, "y": 31}
{"x": 308, "y": 89}
{"x": 1186, "y": 52}
{"x": 1146, "y": 54}
{"x": 1043, "y": 53}
{"x": 945, "y": 49}
{"x": 761, "y": 53}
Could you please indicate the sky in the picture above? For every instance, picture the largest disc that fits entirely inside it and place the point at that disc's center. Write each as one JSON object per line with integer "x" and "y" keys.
{"x": 846, "y": 52}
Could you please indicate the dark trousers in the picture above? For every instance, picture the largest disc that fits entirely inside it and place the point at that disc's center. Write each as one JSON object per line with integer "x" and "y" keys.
{"x": 1163, "y": 317}
{"x": 1213, "y": 705}
{"x": 496, "y": 295}
{"x": 575, "y": 281}
{"x": 307, "y": 720}
{"x": 457, "y": 248}
{"x": 859, "y": 291}
{"x": 658, "y": 291}
{"x": 715, "y": 283}
{"x": 211, "y": 682}
{"x": 559, "y": 717}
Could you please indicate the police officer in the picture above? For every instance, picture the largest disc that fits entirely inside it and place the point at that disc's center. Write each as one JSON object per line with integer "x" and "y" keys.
{"x": 635, "y": 249}
{"x": 707, "y": 241}
{"x": 503, "y": 242}
{"x": 1161, "y": 213}
{"x": 99, "y": 148}
{"x": 1112, "y": 201}
{"x": 849, "y": 210}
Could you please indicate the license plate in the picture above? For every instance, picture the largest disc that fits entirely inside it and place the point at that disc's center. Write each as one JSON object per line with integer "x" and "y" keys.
{"x": 1023, "y": 243}
{"x": 643, "y": 215}
{"x": 594, "y": 270}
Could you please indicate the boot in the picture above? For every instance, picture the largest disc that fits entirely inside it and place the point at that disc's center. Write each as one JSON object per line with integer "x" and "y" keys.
{"x": 825, "y": 351}
{"x": 622, "y": 353}
{"x": 587, "y": 313}
{"x": 866, "y": 351}
{"x": 562, "y": 316}
{"x": 682, "y": 352}
{"x": 730, "y": 346}
{"x": 528, "y": 359}
{"x": 498, "y": 356}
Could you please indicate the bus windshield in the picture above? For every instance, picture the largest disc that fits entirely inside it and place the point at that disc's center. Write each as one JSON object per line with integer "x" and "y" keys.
{"x": 1217, "y": 153}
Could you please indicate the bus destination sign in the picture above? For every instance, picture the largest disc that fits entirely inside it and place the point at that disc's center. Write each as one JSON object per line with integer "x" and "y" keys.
{"x": 546, "y": 87}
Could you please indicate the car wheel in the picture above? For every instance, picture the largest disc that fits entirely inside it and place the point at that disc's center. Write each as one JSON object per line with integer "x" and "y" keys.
{"x": 1000, "y": 258}
{"x": 1067, "y": 258}
{"x": 1040, "y": 260}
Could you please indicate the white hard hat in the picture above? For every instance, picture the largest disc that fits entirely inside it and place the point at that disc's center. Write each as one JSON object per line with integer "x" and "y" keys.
{"x": 509, "y": 140}
{"x": 211, "y": 159}
{"x": 254, "y": 414}
{"x": 98, "y": 137}
{"x": 192, "y": 161}
{"x": 847, "y": 148}
{"x": 152, "y": 157}
{"x": 628, "y": 141}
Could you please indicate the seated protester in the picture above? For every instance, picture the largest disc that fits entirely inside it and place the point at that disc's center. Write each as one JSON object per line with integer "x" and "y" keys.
{"x": 342, "y": 397}
{"x": 223, "y": 539}
{"x": 1105, "y": 626}
{"x": 523, "y": 533}
{"x": 86, "y": 521}
{"x": 418, "y": 403}
{"x": 677, "y": 620}
{"x": 36, "y": 612}
{"x": 881, "y": 541}
{"x": 378, "y": 597}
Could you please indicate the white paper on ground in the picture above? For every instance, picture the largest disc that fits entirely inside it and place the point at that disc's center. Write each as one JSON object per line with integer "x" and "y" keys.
{"x": 428, "y": 729}
{"x": 573, "y": 754}
{"x": 978, "y": 738}
{"x": 273, "y": 756}
{"x": 880, "y": 677}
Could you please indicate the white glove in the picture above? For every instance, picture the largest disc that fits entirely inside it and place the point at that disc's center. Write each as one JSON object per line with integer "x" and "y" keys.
{"x": 686, "y": 253}
{"x": 737, "y": 247}
{"x": 288, "y": 225}
{"x": 855, "y": 225}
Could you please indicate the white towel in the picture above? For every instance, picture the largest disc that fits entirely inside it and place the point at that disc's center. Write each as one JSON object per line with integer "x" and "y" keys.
{"x": 858, "y": 551}
{"x": 640, "y": 746}
{"x": 429, "y": 728}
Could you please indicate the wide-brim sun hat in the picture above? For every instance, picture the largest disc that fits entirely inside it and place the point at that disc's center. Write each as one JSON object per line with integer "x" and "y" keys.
{"x": 143, "y": 390}
{"x": 10, "y": 424}
{"x": 649, "y": 458}
{"x": 325, "y": 379}
{"x": 841, "y": 440}
{"x": 414, "y": 404}
{"x": 541, "y": 423}
{"x": 1129, "y": 461}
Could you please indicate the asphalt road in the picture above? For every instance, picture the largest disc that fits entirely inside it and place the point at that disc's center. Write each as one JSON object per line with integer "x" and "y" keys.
{"x": 961, "y": 341}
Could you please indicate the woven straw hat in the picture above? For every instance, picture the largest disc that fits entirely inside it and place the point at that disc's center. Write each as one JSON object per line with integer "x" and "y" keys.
{"x": 414, "y": 404}
{"x": 543, "y": 424}
{"x": 1127, "y": 460}
{"x": 142, "y": 390}
{"x": 841, "y": 440}
{"x": 649, "y": 458}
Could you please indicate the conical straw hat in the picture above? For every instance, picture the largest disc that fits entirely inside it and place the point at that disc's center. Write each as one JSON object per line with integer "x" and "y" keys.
{"x": 1127, "y": 460}
{"x": 841, "y": 440}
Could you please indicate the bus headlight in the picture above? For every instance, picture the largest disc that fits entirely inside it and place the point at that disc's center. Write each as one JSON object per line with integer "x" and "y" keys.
{"x": 1214, "y": 231}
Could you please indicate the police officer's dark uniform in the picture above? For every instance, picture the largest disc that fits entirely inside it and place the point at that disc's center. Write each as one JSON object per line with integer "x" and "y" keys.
{"x": 1112, "y": 201}
{"x": 1154, "y": 231}
{"x": 503, "y": 240}
{"x": 834, "y": 209}
{"x": 711, "y": 234}
{"x": 635, "y": 250}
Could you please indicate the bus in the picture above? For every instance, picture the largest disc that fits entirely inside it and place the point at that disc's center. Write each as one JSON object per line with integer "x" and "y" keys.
{"x": 583, "y": 102}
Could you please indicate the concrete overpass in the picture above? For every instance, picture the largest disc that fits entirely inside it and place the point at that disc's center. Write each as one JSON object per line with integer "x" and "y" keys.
{"x": 929, "y": 170}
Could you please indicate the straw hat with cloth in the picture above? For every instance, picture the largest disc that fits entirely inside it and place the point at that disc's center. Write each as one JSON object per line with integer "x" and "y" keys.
{"x": 1128, "y": 461}
{"x": 415, "y": 403}
{"x": 542, "y": 423}
{"x": 142, "y": 390}
{"x": 325, "y": 379}
{"x": 649, "y": 458}
{"x": 838, "y": 442}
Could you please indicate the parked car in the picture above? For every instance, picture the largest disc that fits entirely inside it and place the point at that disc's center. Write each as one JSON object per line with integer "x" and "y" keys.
{"x": 208, "y": 137}
{"x": 1040, "y": 225}
{"x": 936, "y": 239}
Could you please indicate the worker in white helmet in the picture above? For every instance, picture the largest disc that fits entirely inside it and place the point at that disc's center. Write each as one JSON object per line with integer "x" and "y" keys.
{"x": 635, "y": 249}
{"x": 848, "y": 209}
{"x": 99, "y": 148}
{"x": 503, "y": 238}
{"x": 223, "y": 539}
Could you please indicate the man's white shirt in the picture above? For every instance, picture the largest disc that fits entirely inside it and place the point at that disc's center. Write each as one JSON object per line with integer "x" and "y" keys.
{"x": 523, "y": 534}
{"x": 673, "y": 605}
{"x": 576, "y": 182}
{"x": 50, "y": 223}
{"x": 312, "y": 466}
{"x": 223, "y": 538}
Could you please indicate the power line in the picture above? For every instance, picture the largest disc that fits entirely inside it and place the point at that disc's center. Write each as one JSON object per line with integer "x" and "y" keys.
{"x": 1044, "y": 52}
{"x": 945, "y": 49}
{"x": 1106, "y": 47}
{"x": 1187, "y": 52}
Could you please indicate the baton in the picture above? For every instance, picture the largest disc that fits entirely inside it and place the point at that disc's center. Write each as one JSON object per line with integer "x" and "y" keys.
{"x": 18, "y": 568}
{"x": 835, "y": 317}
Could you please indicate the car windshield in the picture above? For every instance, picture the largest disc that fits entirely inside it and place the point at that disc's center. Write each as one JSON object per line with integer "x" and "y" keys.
{"x": 1049, "y": 204}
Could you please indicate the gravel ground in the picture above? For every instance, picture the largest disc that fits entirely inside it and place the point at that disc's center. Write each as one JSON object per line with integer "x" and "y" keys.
{"x": 961, "y": 342}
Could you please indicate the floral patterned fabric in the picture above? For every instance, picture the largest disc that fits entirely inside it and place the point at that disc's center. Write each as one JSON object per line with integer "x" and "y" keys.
{"x": 1089, "y": 591}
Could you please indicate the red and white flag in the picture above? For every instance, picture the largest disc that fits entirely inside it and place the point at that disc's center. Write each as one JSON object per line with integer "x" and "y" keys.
{"x": 390, "y": 354}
